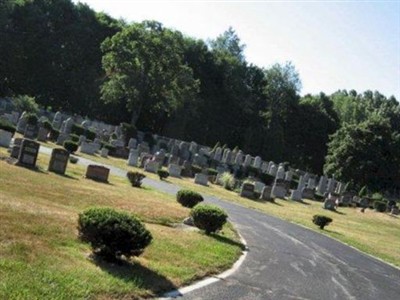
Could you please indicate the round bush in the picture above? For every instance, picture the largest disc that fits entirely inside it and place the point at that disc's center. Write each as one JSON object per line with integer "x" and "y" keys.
{"x": 47, "y": 125}
{"x": 162, "y": 174}
{"x": 112, "y": 233}
{"x": 188, "y": 198}
{"x": 90, "y": 135}
{"x": 380, "y": 206}
{"x": 31, "y": 119}
{"x": 7, "y": 126}
{"x": 70, "y": 146}
{"x": 74, "y": 138}
{"x": 135, "y": 178}
{"x": 321, "y": 221}
{"x": 209, "y": 218}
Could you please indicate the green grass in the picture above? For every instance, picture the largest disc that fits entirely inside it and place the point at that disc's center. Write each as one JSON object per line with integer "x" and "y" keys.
{"x": 372, "y": 232}
{"x": 42, "y": 258}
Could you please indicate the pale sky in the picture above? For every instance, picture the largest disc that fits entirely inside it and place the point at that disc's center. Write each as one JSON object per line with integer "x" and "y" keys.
{"x": 333, "y": 44}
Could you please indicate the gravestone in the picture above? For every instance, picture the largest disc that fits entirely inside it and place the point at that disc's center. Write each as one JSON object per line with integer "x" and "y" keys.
{"x": 218, "y": 154}
{"x": 273, "y": 170}
{"x": 321, "y": 189}
{"x": 174, "y": 170}
{"x": 301, "y": 184}
{"x": 258, "y": 186}
{"x": 88, "y": 148}
{"x": 152, "y": 166}
{"x": 264, "y": 167}
{"x": 98, "y": 173}
{"x": 266, "y": 193}
{"x": 364, "y": 202}
{"x": 62, "y": 137}
{"x": 201, "y": 179}
{"x": 31, "y": 131}
{"x": 257, "y": 162}
{"x": 295, "y": 195}
{"x": 394, "y": 210}
{"x": 247, "y": 190}
{"x": 57, "y": 120}
{"x": 278, "y": 190}
{"x": 289, "y": 175}
{"x": 280, "y": 174}
{"x": 82, "y": 139}
{"x": 5, "y": 138}
{"x": 331, "y": 185}
{"x": 132, "y": 143}
{"x": 329, "y": 204}
{"x": 311, "y": 183}
{"x": 247, "y": 160}
{"x": 307, "y": 193}
{"x": 104, "y": 152}
{"x": 133, "y": 158}
{"x": 28, "y": 153}
{"x": 239, "y": 158}
{"x": 346, "y": 198}
{"x": 22, "y": 123}
{"x": 16, "y": 147}
{"x": 186, "y": 169}
{"x": 42, "y": 134}
{"x": 67, "y": 125}
{"x": 58, "y": 161}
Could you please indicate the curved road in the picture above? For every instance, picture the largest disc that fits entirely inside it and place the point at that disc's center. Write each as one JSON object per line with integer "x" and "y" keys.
{"x": 287, "y": 261}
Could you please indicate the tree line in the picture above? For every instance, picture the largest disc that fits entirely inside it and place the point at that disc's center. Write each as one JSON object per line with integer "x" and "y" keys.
{"x": 72, "y": 58}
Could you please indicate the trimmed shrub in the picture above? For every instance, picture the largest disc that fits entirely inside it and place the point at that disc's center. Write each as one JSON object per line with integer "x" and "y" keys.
{"x": 109, "y": 147}
{"x": 77, "y": 129}
{"x": 267, "y": 179}
{"x": 188, "y": 198}
{"x": 112, "y": 234}
{"x": 196, "y": 169}
{"x": 162, "y": 174}
{"x": 380, "y": 206}
{"x": 135, "y": 178}
{"x": 228, "y": 181}
{"x": 90, "y": 135}
{"x": 47, "y": 125}
{"x": 209, "y": 218}
{"x": 70, "y": 146}
{"x": 74, "y": 138}
{"x": 212, "y": 172}
{"x": 321, "y": 221}
{"x": 128, "y": 131}
{"x": 7, "y": 126}
{"x": 31, "y": 119}
{"x": 73, "y": 159}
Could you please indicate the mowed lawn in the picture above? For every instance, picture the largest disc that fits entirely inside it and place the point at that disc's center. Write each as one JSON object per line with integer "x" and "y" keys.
{"x": 42, "y": 258}
{"x": 372, "y": 232}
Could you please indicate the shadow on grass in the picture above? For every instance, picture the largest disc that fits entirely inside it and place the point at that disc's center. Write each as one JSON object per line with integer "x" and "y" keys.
{"x": 225, "y": 240}
{"x": 136, "y": 274}
{"x": 65, "y": 176}
{"x": 335, "y": 233}
{"x": 338, "y": 212}
{"x": 302, "y": 202}
{"x": 33, "y": 169}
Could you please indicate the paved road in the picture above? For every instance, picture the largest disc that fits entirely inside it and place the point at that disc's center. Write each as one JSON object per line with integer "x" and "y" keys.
{"x": 286, "y": 261}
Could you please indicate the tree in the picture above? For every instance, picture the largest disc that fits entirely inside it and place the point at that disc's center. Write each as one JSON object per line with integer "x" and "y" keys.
{"x": 367, "y": 154}
{"x": 145, "y": 70}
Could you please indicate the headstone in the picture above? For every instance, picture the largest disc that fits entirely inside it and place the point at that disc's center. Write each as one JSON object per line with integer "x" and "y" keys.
{"x": 329, "y": 204}
{"x": 57, "y": 121}
{"x": 58, "y": 161}
{"x": 289, "y": 175}
{"x": 258, "y": 186}
{"x": 186, "y": 169}
{"x": 311, "y": 183}
{"x": 307, "y": 193}
{"x": 346, "y": 198}
{"x": 62, "y": 137}
{"x": 280, "y": 174}
{"x": 22, "y": 123}
{"x": 394, "y": 210}
{"x": 201, "y": 179}
{"x": 247, "y": 160}
{"x": 218, "y": 154}
{"x": 278, "y": 190}
{"x": 16, "y": 148}
{"x": 132, "y": 143}
{"x": 152, "y": 166}
{"x": 104, "y": 152}
{"x": 174, "y": 170}
{"x": 264, "y": 167}
{"x": 67, "y": 125}
{"x": 239, "y": 158}
{"x": 321, "y": 189}
{"x": 266, "y": 193}
{"x": 88, "y": 148}
{"x": 82, "y": 139}
{"x": 331, "y": 185}
{"x": 295, "y": 195}
{"x": 273, "y": 170}
{"x": 301, "y": 184}
{"x": 143, "y": 148}
{"x": 257, "y": 162}
{"x": 5, "y": 138}
{"x": 98, "y": 173}
{"x": 28, "y": 153}
{"x": 226, "y": 158}
{"x": 247, "y": 190}
{"x": 42, "y": 134}
{"x": 31, "y": 131}
{"x": 364, "y": 202}
{"x": 133, "y": 158}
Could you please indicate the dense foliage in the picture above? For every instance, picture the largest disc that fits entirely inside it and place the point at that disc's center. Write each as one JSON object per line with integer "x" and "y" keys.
{"x": 321, "y": 221}
{"x": 188, "y": 198}
{"x": 135, "y": 178}
{"x": 208, "y": 217}
{"x": 113, "y": 234}
{"x": 66, "y": 56}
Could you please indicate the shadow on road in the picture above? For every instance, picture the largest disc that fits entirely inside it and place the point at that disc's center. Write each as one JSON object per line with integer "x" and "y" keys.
{"x": 224, "y": 239}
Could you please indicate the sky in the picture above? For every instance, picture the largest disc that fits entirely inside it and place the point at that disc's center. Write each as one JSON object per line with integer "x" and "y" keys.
{"x": 333, "y": 44}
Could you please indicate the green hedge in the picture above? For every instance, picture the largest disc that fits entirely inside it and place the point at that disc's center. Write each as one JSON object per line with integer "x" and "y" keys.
{"x": 188, "y": 198}
{"x": 209, "y": 218}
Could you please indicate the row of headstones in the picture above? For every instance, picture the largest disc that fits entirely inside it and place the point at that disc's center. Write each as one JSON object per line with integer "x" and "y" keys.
{"x": 26, "y": 152}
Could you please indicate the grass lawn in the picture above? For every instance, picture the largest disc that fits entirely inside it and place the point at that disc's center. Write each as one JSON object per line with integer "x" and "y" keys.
{"x": 372, "y": 232}
{"x": 41, "y": 257}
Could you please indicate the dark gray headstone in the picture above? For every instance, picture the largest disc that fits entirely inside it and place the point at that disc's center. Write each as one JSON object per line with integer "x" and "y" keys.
{"x": 31, "y": 131}
{"x": 28, "y": 153}
{"x": 98, "y": 173}
{"x": 58, "y": 161}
